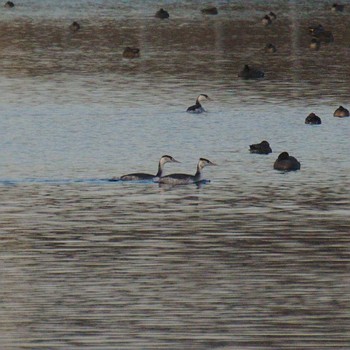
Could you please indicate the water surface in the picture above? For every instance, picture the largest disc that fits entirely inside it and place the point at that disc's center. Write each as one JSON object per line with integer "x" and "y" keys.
{"x": 254, "y": 259}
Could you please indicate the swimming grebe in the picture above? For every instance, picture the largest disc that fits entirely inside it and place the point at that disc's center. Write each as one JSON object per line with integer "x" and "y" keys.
{"x": 210, "y": 11}
{"x": 341, "y": 112}
{"x": 197, "y": 108}
{"x": 162, "y": 14}
{"x": 131, "y": 52}
{"x": 260, "y": 148}
{"x": 313, "y": 119}
{"x": 285, "y": 162}
{"x": 250, "y": 73}
{"x": 184, "y": 179}
{"x": 74, "y": 27}
{"x": 144, "y": 176}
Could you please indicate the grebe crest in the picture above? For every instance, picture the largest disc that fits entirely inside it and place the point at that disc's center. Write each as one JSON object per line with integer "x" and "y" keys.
{"x": 197, "y": 107}
{"x": 144, "y": 176}
{"x": 184, "y": 179}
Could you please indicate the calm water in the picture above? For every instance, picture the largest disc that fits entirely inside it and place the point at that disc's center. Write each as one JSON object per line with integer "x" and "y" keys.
{"x": 255, "y": 259}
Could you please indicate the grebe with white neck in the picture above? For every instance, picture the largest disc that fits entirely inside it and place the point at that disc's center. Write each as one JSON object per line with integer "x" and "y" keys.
{"x": 184, "y": 179}
{"x": 144, "y": 176}
{"x": 197, "y": 108}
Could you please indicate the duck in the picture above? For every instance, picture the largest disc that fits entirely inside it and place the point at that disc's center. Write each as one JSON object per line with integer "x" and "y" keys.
{"x": 197, "y": 108}
{"x": 184, "y": 179}
{"x": 144, "y": 176}
{"x": 285, "y": 162}
{"x": 250, "y": 73}
{"x": 341, "y": 112}
{"x": 131, "y": 52}
{"x": 9, "y": 4}
{"x": 272, "y": 15}
{"x": 315, "y": 44}
{"x": 313, "y": 119}
{"x": 270, "y": 48}
{"x": 318, "y": 32}
{"x": 210, "y": 10}
{"x": 260, "y": 148}
{"x": 337, "y": 8}
{"x": 74, "y": 27}
{"x": 266, "y": 20}
{"x": 162, "y": 14}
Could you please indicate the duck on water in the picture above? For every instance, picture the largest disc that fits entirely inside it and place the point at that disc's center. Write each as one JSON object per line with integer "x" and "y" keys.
{"x": 197, "y": 107}
{"x": 144, "y": 176}
{"x": 184, "y": 179}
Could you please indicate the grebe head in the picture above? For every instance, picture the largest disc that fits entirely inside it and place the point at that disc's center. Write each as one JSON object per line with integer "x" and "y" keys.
{"x": 168, "y": 159}
{"x": 204, "y": 162}
{"x": 203, "y": 97}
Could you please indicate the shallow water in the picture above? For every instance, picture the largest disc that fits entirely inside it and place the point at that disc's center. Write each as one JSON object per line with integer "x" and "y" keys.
{"x": 254, "y": 259}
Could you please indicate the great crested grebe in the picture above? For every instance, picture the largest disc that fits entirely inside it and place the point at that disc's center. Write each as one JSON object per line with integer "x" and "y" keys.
{"x": 313, "y": 119}
{"x": 184, "y": 179}
{"x": 341, "y": 112}
{"x": 197, "y": 108}
{"x": 144, "y": 176}
{"x": 260, "y": 148}
{"x": 285, "y": 162}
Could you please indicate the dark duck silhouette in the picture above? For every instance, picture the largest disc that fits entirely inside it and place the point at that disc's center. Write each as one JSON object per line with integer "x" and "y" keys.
{"x": 285, "y": 162}
{"x": 260, "y": 148}
{"x": 250, "y": 73}
{"x": 162, "y": 14}
{"x": 341, "y": 112}
{"x": 313, "y": 119}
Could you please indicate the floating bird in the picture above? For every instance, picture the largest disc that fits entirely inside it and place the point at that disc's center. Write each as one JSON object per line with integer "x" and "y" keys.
{"x": 144, "y": 176}
{"x": 337, "y": 8}
{"x": 321, "y": 34}
{"x": 184, "y": 179}
{"x": 315, "y": 44}
{"x": 341, "y": 112}
{"x": 210, "y": 10}
{"x": 266, "y": 20}
{"x": 162, "y": 14}
{"x": 197, "y": 108}
{"x": 285, "y": 162}
{"x": 74, "y": 27}
{"x": 313, "y": 119}
{"x": 9, "y": 4}
{"x": 250, "y": 73}
{"x": 270, "y": 48}
{"x": 260, "y": 148}
{"x": 131, "y": 52}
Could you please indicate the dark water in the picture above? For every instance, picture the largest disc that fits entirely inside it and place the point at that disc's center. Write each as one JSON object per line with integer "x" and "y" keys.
{"x": 254, "y": 259}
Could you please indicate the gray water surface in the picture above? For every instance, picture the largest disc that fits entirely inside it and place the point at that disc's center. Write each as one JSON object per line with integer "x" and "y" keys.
{"x": 253, "y": 259}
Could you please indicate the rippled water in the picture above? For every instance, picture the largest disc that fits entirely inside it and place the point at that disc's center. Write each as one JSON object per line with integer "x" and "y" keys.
{"x": 254, "y": 259}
